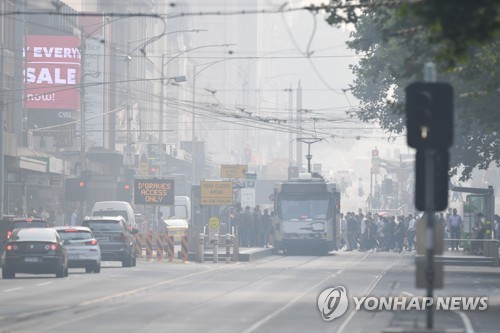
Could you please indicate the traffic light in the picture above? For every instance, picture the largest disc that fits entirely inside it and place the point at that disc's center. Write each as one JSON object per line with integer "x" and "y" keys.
{"x": 124, "y": 192}
{"x": 429, "y": 115}
{"x": 293, "y": 172}
{"x": 75, "y": 189}
{"x": 153, "y": 170}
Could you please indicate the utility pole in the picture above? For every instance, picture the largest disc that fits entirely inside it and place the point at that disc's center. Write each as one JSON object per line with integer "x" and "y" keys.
{"x": 128, "y": 58}
{"x": 193, "y": 137}
{"x": 290, "y": 120}
{"x": 299, "y": 127}
{"x": 162, "y": 101}
{"x": 83, "y": 50}
{"x": 2, "y": 141}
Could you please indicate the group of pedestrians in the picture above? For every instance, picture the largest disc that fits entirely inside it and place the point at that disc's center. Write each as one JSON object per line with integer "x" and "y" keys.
{"x": 365, "y": 232}
{"x": 254, "y": 226}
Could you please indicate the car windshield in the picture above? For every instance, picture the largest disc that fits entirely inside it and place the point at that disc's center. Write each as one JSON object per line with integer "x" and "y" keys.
{"x": 46, "y": 235}
{"x": 103, "y": 225}
{"x": 75, "y": 235}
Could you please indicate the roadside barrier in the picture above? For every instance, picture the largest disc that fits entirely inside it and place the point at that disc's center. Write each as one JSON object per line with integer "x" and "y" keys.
{"x": 139, "y": 245}
{"x": 184, "y": 248}
{"x": 170, "y": 247}
{"x": 149, "y": 245}
{"x": 160, "y": 243}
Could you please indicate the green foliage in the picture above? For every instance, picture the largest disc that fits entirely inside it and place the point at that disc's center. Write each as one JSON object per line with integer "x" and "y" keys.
{"x": 462, "y": 37}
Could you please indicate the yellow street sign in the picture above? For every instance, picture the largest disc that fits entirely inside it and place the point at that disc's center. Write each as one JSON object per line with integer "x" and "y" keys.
{"x": 233, "y": 171}
{"x": 216, "y": 193}
{"x": 214, "y": 222}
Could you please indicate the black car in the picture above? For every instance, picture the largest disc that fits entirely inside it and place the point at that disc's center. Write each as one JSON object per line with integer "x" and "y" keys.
{"x": 9, "y": 223}
{"x": 35, "y": 251}
{"x": 116, "y": 241}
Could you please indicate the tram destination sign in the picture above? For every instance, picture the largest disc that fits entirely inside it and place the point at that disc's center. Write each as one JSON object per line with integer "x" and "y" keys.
{"x": 154, "y": 191}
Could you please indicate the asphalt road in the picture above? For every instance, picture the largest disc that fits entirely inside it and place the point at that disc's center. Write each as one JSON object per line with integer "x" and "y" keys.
{"x": 274, "y": 294}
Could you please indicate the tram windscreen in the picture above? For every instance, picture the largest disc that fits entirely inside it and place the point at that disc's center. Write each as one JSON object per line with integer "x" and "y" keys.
{"x": 304, "y": 207}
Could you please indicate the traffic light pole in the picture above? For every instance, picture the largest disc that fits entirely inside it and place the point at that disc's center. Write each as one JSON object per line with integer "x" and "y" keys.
{"x": 429, "y": 76}
{"x": 429, "y": 237}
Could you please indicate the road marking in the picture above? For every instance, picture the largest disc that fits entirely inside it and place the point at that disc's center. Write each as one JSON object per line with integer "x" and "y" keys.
{"x": 44, "y": 284}
{"x": 368, "y": 291}
{"x": 11, "y": 290}
{"x": 138, "y": 290}
{"x": 296, "y": 299}
{"x": 467, "y": 323}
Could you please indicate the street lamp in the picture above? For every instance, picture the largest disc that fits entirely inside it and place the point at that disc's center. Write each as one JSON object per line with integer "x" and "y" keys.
{"x": 128, "y": 57}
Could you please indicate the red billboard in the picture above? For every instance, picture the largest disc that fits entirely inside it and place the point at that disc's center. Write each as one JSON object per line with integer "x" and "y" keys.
{"x": 52, "y": 72}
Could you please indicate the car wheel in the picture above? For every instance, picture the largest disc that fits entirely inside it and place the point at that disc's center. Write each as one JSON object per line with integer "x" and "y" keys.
{"x": 60, "y": 272}
{"x": 66, "y": 271}
{"x": 7, "y": 273}
{"x": 97, "y": 267}
{"x": 127, "y": 262}
{"x": 134, "y": 261}
{"x": 88, "y": 269}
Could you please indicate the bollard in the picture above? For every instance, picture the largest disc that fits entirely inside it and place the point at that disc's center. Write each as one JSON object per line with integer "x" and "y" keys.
{"x": 201, "y": 248}
{"x": 236, "y": 246}
{"x": 228, "y": 248}
{"x": 216, "y": 248}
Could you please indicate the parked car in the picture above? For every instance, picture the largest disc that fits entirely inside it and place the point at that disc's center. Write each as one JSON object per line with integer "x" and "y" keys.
{"x": 115, "y": 240}
{"x": 82, "y": 247}
{"x": 35, "y": 251}
{"x": 9, "y": 223}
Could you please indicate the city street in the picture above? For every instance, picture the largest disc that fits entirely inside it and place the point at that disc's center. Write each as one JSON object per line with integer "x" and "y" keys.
{"x": 274, "y": 294}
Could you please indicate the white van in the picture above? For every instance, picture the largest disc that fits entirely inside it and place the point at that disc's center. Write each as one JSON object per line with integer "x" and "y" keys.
{"x": 115, "y": 208}
{"x": 182, "y": 209}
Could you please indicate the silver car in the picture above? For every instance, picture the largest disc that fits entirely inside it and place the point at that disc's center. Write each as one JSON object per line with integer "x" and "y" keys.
{"x": 82, "y": 247}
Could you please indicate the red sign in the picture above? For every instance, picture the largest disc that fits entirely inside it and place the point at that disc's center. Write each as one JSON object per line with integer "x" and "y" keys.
{"x": 52, "y": 72}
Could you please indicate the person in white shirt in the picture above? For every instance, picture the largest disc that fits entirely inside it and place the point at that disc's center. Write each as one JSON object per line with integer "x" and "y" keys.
{"x": 343, "y": 231}
{"x": 455, "y": 225}
{"x": 412, "y": 228}
{"x": 74, "y": 217}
